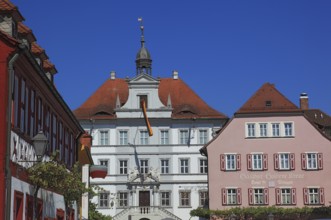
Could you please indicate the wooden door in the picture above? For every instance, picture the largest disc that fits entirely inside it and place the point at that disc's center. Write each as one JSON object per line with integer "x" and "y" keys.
{"x": 144, "y": 198}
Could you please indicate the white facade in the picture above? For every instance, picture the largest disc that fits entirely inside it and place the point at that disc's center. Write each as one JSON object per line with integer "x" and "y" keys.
{"x": 158, "y": 177}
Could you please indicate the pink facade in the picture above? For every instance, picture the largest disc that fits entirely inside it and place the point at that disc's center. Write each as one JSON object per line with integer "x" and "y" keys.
{"x": 269, "y": 158}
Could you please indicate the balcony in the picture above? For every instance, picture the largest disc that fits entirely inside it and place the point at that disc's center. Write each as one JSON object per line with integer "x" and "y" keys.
{"x": 145, "y": 212}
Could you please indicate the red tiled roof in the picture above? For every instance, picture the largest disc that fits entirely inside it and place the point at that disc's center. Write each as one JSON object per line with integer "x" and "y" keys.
{"x": 24, "y": 30}
{"x": 185, "y": 102}
{"x": 38, "y": 51}
{"x": 47, "y": 65}
{"x": 268, "y": 99}
{"x": 6, "y": 6}
{"x": 318, "y": 117}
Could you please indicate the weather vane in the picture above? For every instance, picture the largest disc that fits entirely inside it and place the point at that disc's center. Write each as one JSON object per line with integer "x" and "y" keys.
{"x": 140, "y": 19}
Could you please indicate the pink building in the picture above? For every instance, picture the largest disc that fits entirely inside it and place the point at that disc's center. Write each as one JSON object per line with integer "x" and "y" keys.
{"x": 271, "y": 153}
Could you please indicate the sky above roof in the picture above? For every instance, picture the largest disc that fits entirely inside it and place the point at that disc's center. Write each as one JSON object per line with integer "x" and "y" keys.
{"x": 224, "y": 50}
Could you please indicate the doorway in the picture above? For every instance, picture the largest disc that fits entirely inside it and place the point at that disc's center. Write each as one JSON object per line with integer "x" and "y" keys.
{"x": 144, "y": 198}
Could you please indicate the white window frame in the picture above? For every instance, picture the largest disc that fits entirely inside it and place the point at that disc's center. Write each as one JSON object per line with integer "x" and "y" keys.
{"x": 103, "y": 199}
{"x": 288, "y": 131}
{"x": 203, "y": 165}
{"x": 285, "y": 196}
{"x": 184, "y": 136}
{"x": 203, "y": 198}
{"x": 257, "y": 161}
{"x": 203, "y": 136}
{"x": 275, "y": 129}
{"x": 144, "y": 137}
{"x": 314, "y": 196}
{"x": 123, "y": 197}
{"x": 263, "y": 129}
{"x": 104, "y": 137}
{"x": 165, "y": 168}
{"x": 123, "y": 170}
{"x": 251, "y": 130}
{"x": 184, "y": 165}
{"x": 284, "y": 163}
{"x": 144, "y": 165}
{"x": 230, "y": 161}
{"x": 258, "y": 196}
{"x": 123, "y": 140}
{"x": 185, "y": 198}
{"x": 231, "y": 196}
{"x": 165, "y": 197}
{"x": 310, "y": 161}
{"x": 164, "y": 137}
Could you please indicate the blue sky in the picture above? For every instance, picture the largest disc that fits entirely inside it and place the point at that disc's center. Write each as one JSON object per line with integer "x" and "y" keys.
{"x": 223, "y": 49}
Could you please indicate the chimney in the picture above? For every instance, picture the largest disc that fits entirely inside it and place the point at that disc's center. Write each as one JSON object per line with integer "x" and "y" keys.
{"x": 113, "y": 75}
{"x": 175, "y": 74}
{"x": 304, "y": 104}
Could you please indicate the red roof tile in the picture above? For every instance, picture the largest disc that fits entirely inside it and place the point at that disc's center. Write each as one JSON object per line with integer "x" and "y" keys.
{"x": 268, "y": 99}
{"x": 7, "y": 7}
{"x": 24, "y": 30}
{"x": 48, "y": 66}
{"x": 38, "y": 51}
{"x": 185, "y": 102}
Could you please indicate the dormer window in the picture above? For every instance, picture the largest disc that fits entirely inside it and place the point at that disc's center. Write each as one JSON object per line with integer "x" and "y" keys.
{"x": 143, "y": 98}
{"x": 268, "y": 103}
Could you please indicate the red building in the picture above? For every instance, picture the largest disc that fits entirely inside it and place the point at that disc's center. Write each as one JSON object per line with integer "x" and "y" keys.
{"x": 29, "y": 103}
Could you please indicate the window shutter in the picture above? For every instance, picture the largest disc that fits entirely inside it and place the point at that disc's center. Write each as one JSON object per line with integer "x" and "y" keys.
{"x": 222, "y": 162}
{"x": 239, "y": 196}
{"x": 223, "y": 196}
{"x": 278, "y": 196}
{"x": 320, "y": 161}
{"x": 305, "y": 196}
{"x": 265, "y": 161}
{"x": 276, "y": 161}
{"x": 250, "y": 196}
{"x": 238, "y": 160}
{"x": 292, "y": 161}
{"x": 266, "y": 196}
{"x": 322, "y": 200}
{"x": 293, "y": 196}
{"x": 303, "y": 161}
{"x": 249, "y": 161}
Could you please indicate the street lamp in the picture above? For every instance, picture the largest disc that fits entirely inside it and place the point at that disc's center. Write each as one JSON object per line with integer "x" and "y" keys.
{"x": 40, "y": 144}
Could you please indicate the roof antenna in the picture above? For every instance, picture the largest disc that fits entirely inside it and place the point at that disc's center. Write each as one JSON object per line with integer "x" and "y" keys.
{"x": 142, "y": 39}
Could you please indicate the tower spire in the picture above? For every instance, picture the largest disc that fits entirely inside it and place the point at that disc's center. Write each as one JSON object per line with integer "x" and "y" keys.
{"x": 143, "y": 58}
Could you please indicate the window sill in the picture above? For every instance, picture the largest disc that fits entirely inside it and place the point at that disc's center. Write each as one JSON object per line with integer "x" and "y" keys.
{"x": 185, "y": 207}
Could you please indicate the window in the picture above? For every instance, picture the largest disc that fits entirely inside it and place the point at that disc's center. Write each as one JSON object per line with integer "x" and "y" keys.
{"x": 144, "y": 166}
{"x": 123, "y": 137}
{"x": 285, "y": 196}
{"x": 123, "y": 199}
{"x": 257, "y": 161}
{"x": 183, "y": 137}
{"x": 184, "y": 166}
{"x": 203, "y": 138}
{"x": 284, "y": 161}
{"x": 312, "y": 161}
{"x": 104, "y": 138}
{"x": 313, "y": 196}
{"x": 258, "y": 196}
{"x": 288, "y": 129}
{"x": 143, "y": 98}
{"x": 231, "y": 196}
{"x": 164, "y": 166}
{"x": 104, "y": 162}
{"x": 123, "y": 167}
{"x": 203, "y": 198}
{"x": 203, "y": 166}
{"x": 275, "y": 130}
{"x": 230, "y": 162}
{"x": 144, "y": 137}
{"x": 251, "y": 130}
{"x": 165, "y": 198}
{"x": 185, "y": 199}
{"x": 104, "y": 200}
{"x": 263, "y": 130}
{"x": 164, "y": 137}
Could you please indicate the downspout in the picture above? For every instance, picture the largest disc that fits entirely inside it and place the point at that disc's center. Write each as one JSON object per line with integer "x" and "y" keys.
{"x": 9, "y": 116}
